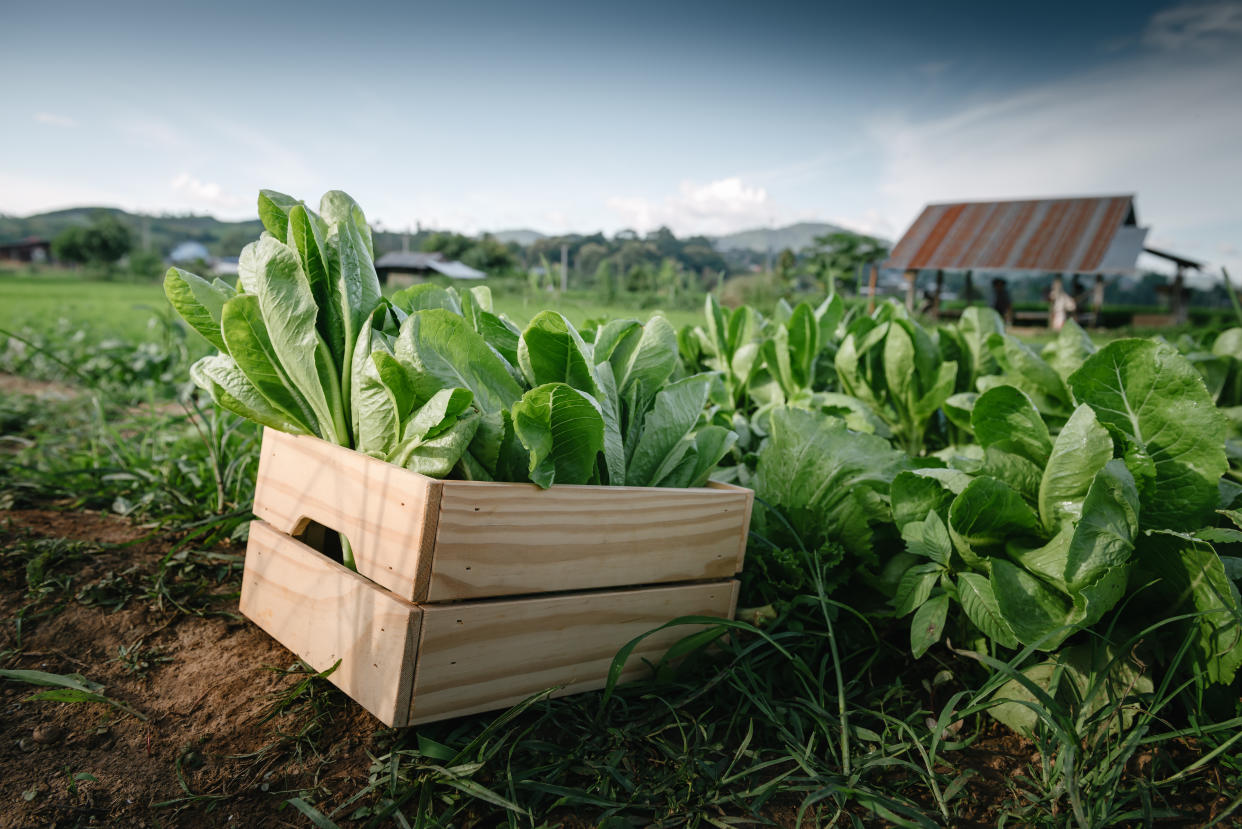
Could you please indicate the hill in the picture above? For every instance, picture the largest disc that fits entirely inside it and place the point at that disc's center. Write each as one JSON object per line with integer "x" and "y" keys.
{"x": 795, "y": 237}
{"x": 522, "y": 236}
{"x": 161, "y": 233}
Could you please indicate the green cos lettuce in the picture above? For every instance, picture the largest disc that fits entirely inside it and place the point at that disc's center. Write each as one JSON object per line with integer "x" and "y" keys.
{"x": 433, "y": 380}
{"x": 1041, "y": 536}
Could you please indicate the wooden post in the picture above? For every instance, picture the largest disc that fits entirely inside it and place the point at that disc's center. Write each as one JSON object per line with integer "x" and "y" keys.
{"x": 564, "y": 268}
{"x": 911, "y": 282}
{"x": 969, "y": 289}
{"x": 1097, "y": 300}
{"x": 1177, "y": 306}
{"x": 875, "y": 276}
{"x": 935, "y": 308}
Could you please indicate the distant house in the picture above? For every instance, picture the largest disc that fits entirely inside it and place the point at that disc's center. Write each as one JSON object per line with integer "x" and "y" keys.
{"x": 225, "y": 265}
{"x": 189, "y": 251}
{"x": 1087, "y": 236}
{"x": 32, "y": 250}
{"x": 406, "y": 268}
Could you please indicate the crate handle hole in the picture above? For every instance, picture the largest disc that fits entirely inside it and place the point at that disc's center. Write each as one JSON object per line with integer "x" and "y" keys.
{"x": 321, "y": 538}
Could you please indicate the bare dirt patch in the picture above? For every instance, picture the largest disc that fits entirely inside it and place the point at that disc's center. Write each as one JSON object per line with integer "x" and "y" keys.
{"x": 208, "y": 753}
{"x": 15, "y": 384}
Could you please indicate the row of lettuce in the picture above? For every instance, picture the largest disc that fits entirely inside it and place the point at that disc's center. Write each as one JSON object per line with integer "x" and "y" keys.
{"x": 997, "y": 495}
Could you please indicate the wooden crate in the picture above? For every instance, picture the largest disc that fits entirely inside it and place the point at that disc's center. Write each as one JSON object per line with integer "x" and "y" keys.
{"x": 429, "y": 540}
{"x": 410, "y": 663}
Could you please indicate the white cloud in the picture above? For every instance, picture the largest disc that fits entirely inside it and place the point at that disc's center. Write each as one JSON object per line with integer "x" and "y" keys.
{"x": 204, "y": 192}
{"x": 721, "y": 206}
{"x": 873, "y": 222}
{"x": 1196, "y": 26}
{"x": 54, "y": 120}
{"x": 1161, "y": 127}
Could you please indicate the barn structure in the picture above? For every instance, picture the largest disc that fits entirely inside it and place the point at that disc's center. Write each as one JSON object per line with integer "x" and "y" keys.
{"x": 406, "y": 268}
{"x": 1091, "y": 236}
{"x": 30, "y": 250}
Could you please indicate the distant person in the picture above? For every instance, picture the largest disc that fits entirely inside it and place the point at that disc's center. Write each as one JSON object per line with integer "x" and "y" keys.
{"x": 1062, "y": 305}
{"x": 928, "y": 303}
{"x": 1077, "y": 290}
{"x": 1097, "y": 300}
{"x": 1001, "y": 303}
{"x": 1079, "y": 293}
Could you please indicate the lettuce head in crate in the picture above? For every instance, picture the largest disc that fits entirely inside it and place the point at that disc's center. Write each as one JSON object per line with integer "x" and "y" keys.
{"x": 433, "y": 379}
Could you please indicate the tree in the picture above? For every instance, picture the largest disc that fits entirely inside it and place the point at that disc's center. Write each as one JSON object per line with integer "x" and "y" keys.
{"x": 590, "y": 257}
{"x": 68, "y": 245}
{"x": 785, "y": 264}
{"x": 490, "y": 256}
{"x": 146, "y": 263}
{"x": 606, "y": 282}
{"x": 840, "y": 255}
{"x": 449, "y": 245}
{"x": 100, "y": 244}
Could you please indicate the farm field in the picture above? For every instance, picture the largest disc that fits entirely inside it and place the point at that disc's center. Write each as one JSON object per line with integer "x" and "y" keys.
{"x": 133, "y": 310}
{"x": 947, "y": 518}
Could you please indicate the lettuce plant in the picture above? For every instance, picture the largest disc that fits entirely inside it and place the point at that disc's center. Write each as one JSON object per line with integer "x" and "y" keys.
{"x": 1038, "y": 537}
{"x": 894, "y": 366}
{"x": 286, "y": 334}
{"x": 824, "y": 488}
{"x": 556, "y": 409}
{"x": 433, "y": 380}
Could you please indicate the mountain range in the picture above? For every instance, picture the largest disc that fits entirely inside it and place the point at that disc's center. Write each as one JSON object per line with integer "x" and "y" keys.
{"x": 223, "y": 238}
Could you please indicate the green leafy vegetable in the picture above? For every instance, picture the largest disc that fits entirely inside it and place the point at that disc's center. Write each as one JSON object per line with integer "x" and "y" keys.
{"x": 1160, "y": 415}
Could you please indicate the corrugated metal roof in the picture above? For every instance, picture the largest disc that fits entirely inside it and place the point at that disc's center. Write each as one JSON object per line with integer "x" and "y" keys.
{"x": 413, "y": 261}
{"x": 456, "y": 270}
{"x": 1072, "y": 235}
{"x": 406, "y": 259}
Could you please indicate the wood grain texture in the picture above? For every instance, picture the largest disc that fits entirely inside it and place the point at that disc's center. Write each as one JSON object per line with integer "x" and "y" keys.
{"x": 433, "y": 541}
{"x": 479, "y": 656}
{"x": 499, "y": 539}
{"x": 387, "y": 513}
{"x": 324, "y": 612}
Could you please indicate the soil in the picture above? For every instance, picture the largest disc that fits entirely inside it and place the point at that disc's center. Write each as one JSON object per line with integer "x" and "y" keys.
{"x": 14, "y": 384}
{"x": 207, "y": 706}
{"x": 213, "y": 750}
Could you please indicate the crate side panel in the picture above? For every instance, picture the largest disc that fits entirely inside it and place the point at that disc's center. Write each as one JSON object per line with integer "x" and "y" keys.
{"x": 324, "y": 613}
{"x": 387, "y": 513}
{"x": 511, "y": 539}
{"x": 744, "y": 534}
{"x": 479, "y": 656}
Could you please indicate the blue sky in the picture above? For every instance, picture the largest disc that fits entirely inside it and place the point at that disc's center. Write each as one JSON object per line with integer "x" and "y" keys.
{"x": 707, "y": 117}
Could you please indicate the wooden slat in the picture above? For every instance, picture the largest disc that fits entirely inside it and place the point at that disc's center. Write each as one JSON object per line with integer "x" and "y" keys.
{"x": 496, "y": 539}
{"x": 387, "y": 513}
{"x": 479, "y": 656}
{"x": 433, "y": 541}
{"x": 324, "y": 612}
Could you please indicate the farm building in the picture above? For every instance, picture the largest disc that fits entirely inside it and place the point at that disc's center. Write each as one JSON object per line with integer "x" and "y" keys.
{"x": 189, "y": 251}
{"x": 406, "y": 268}
{"x": 33, "y": 250}
{"x": 1095, "y": 237}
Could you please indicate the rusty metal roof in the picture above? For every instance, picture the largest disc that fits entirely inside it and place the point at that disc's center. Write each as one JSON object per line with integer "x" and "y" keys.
{"x": 1097, "y": 234}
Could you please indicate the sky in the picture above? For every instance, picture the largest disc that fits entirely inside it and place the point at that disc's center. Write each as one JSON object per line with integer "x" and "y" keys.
{"x": 706, "y": 117}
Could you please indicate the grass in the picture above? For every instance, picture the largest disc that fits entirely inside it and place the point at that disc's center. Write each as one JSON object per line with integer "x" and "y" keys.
{"x": 125, "y": 310}
{"x": 136, "y": 311}
{"x": 819, "y": 717}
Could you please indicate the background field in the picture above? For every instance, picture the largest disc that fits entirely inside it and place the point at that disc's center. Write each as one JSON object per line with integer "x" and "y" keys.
{"x": 135, "y": 310}
{"x": 121, "y": 544}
